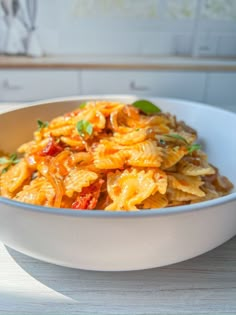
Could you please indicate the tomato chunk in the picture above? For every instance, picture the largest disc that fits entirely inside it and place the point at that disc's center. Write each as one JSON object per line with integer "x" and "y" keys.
{"x": 52, "y": 148}
{"x": 88, "y": 198}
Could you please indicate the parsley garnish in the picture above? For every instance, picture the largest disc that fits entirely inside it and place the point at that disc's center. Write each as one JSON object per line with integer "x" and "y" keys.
{"x": 190, "y": 147}
{"x": 193, "y": 147}
{"x": 178, "y": 137}
{"x": 9, "y": 161}
{"x": 42, "y": 124}
{"x": 84, "y": 127}
{"x": 82, "y": 105}
{"x": 147, "y": 107}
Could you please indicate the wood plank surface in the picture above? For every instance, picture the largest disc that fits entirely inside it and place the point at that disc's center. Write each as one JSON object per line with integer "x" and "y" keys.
{"x": 203, "y": 285}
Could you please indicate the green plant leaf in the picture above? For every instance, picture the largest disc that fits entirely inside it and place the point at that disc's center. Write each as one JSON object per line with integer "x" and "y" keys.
{"x": 84, "y": 127}
{"x": 4, "y": 160}
{"x": 42, "y": 124}
{"x": 82, "y": 105}
{"x": 9, "y": 161}
{"x": 178, "y": 137}
{"x": 190, "y": 147}
{"x": 147, "y": 107}
{"x": 193, "y": 147}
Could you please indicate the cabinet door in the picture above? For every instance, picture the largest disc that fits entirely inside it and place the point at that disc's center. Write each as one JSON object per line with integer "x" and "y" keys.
{"x": 221, "y": 90}
{"x": 27, "y": 85}
{"x": 176, "y": 84}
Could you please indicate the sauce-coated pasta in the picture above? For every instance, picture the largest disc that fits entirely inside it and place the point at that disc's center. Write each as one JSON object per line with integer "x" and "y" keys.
{"x": 111, "y": 156}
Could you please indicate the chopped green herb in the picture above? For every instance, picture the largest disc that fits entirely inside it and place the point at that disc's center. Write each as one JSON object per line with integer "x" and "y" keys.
{"x": 82, "y": 105}
{"x": 190, "y": 147}
{"x": 5, "y": 169}
{"x": 178, "y": 137}
{"x": 10, "y": 161}
{"x": 137, "y": 129}
{"x": 42, "y": 124}
{"x": 4, "y": 160}
{"x": 84, "y": 127}
{"x": 147, "y": 107}
{"x": 193, "y": 147}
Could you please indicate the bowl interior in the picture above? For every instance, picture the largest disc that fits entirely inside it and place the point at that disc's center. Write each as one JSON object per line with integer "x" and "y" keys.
{"x": 216, "y": 128}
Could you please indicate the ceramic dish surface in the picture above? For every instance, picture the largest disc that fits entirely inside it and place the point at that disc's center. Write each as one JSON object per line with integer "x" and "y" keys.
{"x": 116, "y": 241}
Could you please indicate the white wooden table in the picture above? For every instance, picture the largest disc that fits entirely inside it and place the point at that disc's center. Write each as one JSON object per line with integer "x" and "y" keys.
{"x": 203, "y": 285}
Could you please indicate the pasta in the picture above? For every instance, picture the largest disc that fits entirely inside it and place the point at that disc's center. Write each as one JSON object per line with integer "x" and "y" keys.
{"x": 113, "y": 157}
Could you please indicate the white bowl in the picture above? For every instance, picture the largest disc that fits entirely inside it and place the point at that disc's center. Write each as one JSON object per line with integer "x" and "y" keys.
{"x": 99, "y": 240}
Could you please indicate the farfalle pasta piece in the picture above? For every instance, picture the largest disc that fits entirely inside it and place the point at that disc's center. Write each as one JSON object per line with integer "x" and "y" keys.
{"x": 155, "y": 201}
{"x": 179, "y": 195}
{"x": 39, "y": 192}
{"x": 129, "y": 188}
{"x": 195, "y": 167}
{"x": 188, "y": 184}
{"x": 172, "y": 155}
{"x": 77, "y": 179}
{"x": 145, "y": 154}
{"x": 17, "y": 175}
{"x": 107, "y": 156}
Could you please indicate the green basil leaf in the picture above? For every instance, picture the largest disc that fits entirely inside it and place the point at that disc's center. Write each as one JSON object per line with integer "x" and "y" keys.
{"x": 5, "y": 169}
{"x": 178, "y": 137}
{"x": 42, "y": 124}
{"x": 194, "y": 147}
{"x": 11, "y": 160}
{"x": 147, "y": 107}
{"x": 84, "y": 127}
{"x": 82, "y": 105}
{"x": 4, "y": 160}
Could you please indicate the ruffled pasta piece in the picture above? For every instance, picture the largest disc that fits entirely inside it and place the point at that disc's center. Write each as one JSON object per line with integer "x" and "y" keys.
{"x": 133, "y": 137}
{"x": 105, "y": 107}
{"x": 210, "y": 193}
{"x": 25, "y": 147}
{"x": 124, "y": 119}
{"x": 129, "y": 188}
{"x": 77, "y": 179}
{"x": 145, "y": 154}
{"x": 179, "y": 195}
{"x": 61, "y": 131}
{"x": 188, "y": 184}
{"x": 156, "y": 201}
{"x": 13, "y": 180}
{"x": 82, "y": 158}
{"x": 38, "y": 192}
{"x": 73, "y": 142}
{"x": 161, "y": 181}
{"x": 107, "y": 156}
{"x": 186, "y": 132}
{"x": 93, "y": 115}
{"x": 190, "y": 168}
{"x": 172, "y": 155}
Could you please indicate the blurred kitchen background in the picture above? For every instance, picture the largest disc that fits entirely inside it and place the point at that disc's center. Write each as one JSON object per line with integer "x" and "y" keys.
{"x": 168, "y": 48}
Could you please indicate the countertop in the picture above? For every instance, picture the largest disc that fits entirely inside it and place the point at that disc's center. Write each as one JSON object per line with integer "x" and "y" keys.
{"x": 202, "y": 285}
{"x": 128, "y": 62}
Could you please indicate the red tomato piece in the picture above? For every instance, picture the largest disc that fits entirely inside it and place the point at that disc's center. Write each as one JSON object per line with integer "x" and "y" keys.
{"x": 88, "y": 198}
{"x": 52, "y": 148}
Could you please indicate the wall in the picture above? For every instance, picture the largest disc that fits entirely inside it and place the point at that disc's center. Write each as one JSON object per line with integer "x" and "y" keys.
{"x": 160, "y": 27}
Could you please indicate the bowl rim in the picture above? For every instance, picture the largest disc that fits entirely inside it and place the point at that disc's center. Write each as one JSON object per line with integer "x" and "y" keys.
{"x": 200, "y": 206}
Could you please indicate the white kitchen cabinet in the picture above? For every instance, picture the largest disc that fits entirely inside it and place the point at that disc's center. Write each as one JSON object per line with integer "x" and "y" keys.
{"x": 176, "y": 84}
{"x": 221, "y": 89}
{"x": 27, "y": 85}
